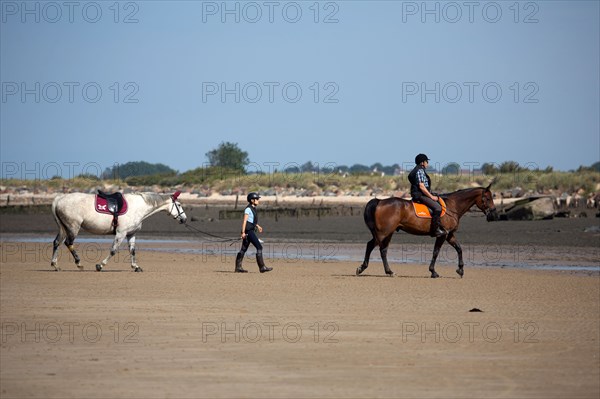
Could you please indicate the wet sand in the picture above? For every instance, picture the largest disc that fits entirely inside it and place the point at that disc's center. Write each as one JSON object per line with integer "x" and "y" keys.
{"x": 189, "y": 327}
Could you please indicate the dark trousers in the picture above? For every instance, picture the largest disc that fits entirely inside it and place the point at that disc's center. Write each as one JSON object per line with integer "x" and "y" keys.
{"x": 435, "y": 206}
{"x": 252, "y": 238}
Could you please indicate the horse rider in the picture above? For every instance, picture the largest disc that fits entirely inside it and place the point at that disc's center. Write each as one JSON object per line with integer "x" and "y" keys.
{"x": 420, "y": 186}
{"x": 249, "y": 227}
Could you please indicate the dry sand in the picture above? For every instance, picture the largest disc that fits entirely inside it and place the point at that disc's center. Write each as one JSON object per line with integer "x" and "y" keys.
{"x": 189, "y": 327}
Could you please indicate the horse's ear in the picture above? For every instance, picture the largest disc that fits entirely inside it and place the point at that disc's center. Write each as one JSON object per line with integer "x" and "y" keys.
{"x": 175, "y": 195}
{"x": 490, "y": 185}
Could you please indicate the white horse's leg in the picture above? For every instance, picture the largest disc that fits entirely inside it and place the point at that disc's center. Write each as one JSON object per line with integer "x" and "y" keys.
{"x": 113, "y": 250}
{"x": 71, "y": 233}
{"x": 131, "y": 241}
{"x": 75, "y": 256}
{"x": 66, "y": 234}
{"x": 60, "y": 237}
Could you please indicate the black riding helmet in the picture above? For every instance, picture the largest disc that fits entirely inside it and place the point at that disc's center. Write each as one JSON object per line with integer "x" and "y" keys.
{"x": 252, "y": 196}
{"x": 421, "y": 158}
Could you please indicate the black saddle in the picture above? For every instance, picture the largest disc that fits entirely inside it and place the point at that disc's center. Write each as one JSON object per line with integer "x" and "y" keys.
{"x": 114, "y": 204}
{"x": 114, "y": 201}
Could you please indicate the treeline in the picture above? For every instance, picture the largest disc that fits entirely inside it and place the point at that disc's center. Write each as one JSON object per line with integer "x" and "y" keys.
{"x": 228, "y": 160}
{"x": 136, "y": 169}
{"x": 313, "y": 179}
{"x": 144, "y": 173}
{"x": 210, "y": 179}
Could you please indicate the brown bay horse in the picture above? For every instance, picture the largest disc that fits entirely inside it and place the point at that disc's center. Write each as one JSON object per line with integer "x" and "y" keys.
{"x": 384, "y": 217}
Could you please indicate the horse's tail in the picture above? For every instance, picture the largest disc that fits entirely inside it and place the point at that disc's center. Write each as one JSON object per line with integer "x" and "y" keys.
{"x": 369, "y": 214}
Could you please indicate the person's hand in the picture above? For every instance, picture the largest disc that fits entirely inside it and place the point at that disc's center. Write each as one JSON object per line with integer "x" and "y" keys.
{"x": 259, "y": 228}
{"x": 435, "y": 198}
{"x": 243, "y": 236}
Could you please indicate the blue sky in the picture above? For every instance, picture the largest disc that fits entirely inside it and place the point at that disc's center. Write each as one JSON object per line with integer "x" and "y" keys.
{"x": 87, "y": 85}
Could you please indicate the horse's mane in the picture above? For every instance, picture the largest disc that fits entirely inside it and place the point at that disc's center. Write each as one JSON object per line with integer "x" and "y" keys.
{"x": 445, "y": 195}
{"x": 153, "y": 199}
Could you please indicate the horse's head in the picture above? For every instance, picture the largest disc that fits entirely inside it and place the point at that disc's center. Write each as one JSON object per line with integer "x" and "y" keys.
{"x": 486, "y": 204}
{"x": 176, "y": 209}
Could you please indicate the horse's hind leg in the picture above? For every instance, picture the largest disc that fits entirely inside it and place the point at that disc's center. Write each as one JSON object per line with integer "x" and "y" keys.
{"x": 55, "y": 245}
{"x": 66, "y": 235}
{"x": 452, "y": 241}
{"x": 69, "y": 243}
{"x": 436, "y": 251}
{"x": 134, "y": 266}
{"x": 370, "y": 246}
{"x": 383, "y": 248}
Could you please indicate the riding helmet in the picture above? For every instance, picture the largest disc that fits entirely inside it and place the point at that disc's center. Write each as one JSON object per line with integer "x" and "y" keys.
{"x": 252, "y": 196}
{"x": 421, "y": 158}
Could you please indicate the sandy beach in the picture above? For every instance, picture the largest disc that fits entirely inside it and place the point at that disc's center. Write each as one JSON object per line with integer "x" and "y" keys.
{"x": 188, "y": 327}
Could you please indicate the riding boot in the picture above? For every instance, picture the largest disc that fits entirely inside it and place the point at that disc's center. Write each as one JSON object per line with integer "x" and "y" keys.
{"x": 261, "y": 263}
{"x": 238, "y": 263}
{"x": 436, "y": 230}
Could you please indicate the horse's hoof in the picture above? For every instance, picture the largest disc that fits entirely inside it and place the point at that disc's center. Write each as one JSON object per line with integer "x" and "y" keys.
{"x": 138, "y": 270}
{"x": 56, "y": 268}
{"x": 358, "y": 271}
{"x": 391, "y": 274}
{"x": 434, "y": 275}
{"x": 80, "y": 267}
{"x": 98, "y": 267}
{"x": 460, "y": 272}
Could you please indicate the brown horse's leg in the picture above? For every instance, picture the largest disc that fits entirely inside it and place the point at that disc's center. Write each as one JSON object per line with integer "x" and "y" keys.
{"x": 436, "y": 250}
{"x": 452, "y": 241}
{"x": 370, "y": 246}
{"x": 383, "y": 247}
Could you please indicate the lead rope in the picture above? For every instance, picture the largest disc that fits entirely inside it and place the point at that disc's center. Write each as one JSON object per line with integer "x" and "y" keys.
{"x": 219, "y": 238}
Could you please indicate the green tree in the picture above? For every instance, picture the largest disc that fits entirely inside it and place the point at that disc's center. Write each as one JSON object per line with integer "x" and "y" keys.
{"x": 307, "y": 167}
{"x": 228, "y": 155}
{"x": 509, "y": 167}
{"x": 452, "y": 168}
{"x": 140, "y": 168}
{"x": 595, "y": 167}
{"x": 358, "y": 169}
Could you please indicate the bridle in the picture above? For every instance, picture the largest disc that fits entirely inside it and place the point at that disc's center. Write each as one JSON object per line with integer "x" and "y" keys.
{"x": 486, "y": 208}
{"x": 177, "y": 207}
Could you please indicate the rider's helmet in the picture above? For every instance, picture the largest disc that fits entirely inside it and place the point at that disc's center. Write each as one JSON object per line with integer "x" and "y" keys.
{"x": 252, "y": 196}
{"x": 421, "y": 158}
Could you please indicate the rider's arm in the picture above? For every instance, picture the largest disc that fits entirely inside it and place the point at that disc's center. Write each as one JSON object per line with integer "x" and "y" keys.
{"x": 244, "y": 225}
{"x": 426, "y": 192}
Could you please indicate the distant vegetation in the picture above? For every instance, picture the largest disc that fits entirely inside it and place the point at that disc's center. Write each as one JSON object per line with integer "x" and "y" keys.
{"x": 328, "y": 182}
{"x": 136, "y": 169}
{"x": 230, "y": 171}
{"x": 229, "y": 156}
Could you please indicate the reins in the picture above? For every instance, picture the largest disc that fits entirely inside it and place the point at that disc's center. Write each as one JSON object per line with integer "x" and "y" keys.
{"x": 487, "y": 209}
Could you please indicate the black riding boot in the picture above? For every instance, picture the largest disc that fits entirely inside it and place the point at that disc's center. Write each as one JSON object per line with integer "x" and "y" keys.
{"x": 261, "y": 263}
{"x": 436, "y": 230}
{"x": 238, "y": 263}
